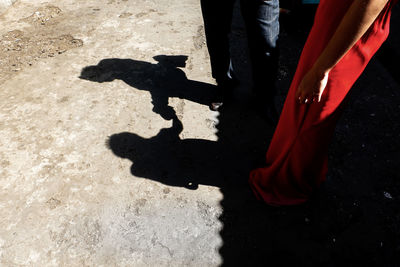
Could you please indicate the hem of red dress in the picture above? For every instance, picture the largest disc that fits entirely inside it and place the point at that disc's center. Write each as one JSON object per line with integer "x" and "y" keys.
{"x": 271, "y": 199}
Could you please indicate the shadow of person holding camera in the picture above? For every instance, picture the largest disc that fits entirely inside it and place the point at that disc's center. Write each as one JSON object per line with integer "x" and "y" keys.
{"x": 163, "y": 80}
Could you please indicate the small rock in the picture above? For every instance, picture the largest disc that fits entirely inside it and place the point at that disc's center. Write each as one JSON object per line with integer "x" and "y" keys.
{"x": 53, "y": 203}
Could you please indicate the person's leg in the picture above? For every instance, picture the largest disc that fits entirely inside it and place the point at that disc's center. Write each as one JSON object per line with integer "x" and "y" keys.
{"x": 217, "y": 16}
{"x": 262, "y": 26}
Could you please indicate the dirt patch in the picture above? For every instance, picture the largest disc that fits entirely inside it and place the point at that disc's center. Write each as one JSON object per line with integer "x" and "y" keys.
{"x": 199, "y": 41}
{"x": 19, "y": 49}
{"x": 43, "y": 15}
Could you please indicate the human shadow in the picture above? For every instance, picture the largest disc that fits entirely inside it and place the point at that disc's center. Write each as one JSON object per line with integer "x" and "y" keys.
{"x": 163, "y": 80}
{"x": 170, "y": 160}
{"x": 173, "y": 161}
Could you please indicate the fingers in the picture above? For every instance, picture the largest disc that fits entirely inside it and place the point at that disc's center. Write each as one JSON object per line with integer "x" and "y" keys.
{"x": 303, "y": 100}
{"x": 300, "y": 95}
{"x": 303, "y": 97}
{"x": 308, "y": 98}
{"x": 315, "y": 99}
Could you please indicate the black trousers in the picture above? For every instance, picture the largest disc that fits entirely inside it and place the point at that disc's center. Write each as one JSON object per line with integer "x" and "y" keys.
{"x": 262, "y": 28}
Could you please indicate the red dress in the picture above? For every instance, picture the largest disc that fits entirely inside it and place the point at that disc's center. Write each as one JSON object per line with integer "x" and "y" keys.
{"x": 296, "y": 161}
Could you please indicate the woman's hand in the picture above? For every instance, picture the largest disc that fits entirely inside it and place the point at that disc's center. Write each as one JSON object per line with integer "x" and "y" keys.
{"x": 358, "y": 18}
{"x": 312, "y": 86}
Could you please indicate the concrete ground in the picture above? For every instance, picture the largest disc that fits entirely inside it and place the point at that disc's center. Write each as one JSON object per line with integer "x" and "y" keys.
{"x": 110, "y": 156}
{"x": 66, "y": 198}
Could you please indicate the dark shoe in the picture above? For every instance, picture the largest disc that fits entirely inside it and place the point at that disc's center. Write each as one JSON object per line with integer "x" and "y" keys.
{"x": 224, "y": 93}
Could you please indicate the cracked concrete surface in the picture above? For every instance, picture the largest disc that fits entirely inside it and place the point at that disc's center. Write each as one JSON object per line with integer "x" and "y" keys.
{"x": 66, "y": 199}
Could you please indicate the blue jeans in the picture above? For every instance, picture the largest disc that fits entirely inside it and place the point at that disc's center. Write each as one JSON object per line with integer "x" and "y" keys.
{"x": 262, "y": 26}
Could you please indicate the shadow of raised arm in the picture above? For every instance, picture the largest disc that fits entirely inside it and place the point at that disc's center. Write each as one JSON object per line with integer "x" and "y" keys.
{"x": 162, "y": 80}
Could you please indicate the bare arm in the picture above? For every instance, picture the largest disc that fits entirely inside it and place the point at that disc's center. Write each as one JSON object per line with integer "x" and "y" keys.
{"x": 356, "y": 21}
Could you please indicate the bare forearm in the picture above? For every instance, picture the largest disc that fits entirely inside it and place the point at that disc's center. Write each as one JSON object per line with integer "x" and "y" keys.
{"x": 357, "y": 20}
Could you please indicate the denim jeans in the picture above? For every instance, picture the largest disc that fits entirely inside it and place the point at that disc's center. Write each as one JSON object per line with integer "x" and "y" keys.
{"x": 262, "y": 27}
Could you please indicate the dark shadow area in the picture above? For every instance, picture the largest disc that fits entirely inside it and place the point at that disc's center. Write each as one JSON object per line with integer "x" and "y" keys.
{"x": 389, "y": 54}
{"x": 162, "y": 80}
{"x": 186, "y": 163}
{"x": 353, "y": 220}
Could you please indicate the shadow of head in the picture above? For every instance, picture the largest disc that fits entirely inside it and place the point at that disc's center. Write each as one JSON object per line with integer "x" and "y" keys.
{"x": 123, "y": 144}
{"x": 110, "y": 69}
{"x": 105, "y": 71}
